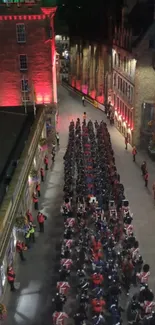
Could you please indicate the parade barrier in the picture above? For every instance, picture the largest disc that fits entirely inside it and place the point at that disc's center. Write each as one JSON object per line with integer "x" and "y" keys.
{"x": 87, "y": 98}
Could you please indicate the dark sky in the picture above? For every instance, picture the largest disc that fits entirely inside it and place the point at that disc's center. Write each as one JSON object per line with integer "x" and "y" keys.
{"x": 88, "y": 19}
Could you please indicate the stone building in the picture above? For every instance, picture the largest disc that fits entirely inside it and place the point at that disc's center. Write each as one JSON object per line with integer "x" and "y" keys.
{"x": 27, "y": 53}
{"x": 123, "y": 74}
{"x": 90, "y": 69}
{"x": 133, "y": 74}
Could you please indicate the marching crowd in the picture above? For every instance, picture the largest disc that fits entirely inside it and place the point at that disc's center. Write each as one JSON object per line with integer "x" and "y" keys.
{"x": 100, "y": 260}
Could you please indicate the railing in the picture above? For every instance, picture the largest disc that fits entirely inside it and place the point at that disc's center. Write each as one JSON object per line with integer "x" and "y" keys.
{"x": 12, "y": 200}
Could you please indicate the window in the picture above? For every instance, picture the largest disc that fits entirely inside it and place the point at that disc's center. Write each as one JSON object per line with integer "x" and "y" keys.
{"x": 124, "y": 63}
{"x": 20, "y": 32}
{"x": 129, "y": 67}
{"x": 131, "y": 95}
{"x": 25, "y": 85}
{"x": 118, "y": 103}
{"x": 114, "y": 100}
{"x": 126, "y": 113}
{"x": 126, "y": 88}
{"x": 129, "y": 92}
{"x": 123, "y": 110}
{"x": 121, "y": 84}
{"x": 118, "y": 83}
{"x": 115, "y": 59}
{"x": 23, "y": 61}
{"x": 120, "y": 107}
{"x": 26, "y": 97}
{"x": 123, "y": 87}
{"x": 114, "y": 81}
{"x": 119, "y": 60}
{"x": 151, "y": 44}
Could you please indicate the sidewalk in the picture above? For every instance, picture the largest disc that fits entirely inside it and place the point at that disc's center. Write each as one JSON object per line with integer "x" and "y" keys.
{"x": 32, "y": 303}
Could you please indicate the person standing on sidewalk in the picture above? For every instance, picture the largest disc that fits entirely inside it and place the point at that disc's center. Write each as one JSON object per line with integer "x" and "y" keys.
{"x": 46, "y": 162}
{"x": 32, "y": 232}
{"x": 41, "y": 219}
{"x": 146, "y": 177}
{"x": 134, "y": 153}
{"x": 29, "y": 216}
{"x": 38, "y": 188}
{"x": 42, "y": 174}
{"x": 143, "y": 168}
{"x": 27, "y": 238}
{"x": 19, "y": 249}
{"x": 35, "y": 201}
{"x": 126, "y": 143}
{"x": 57, "y": 138}
{"x": 11, "y": 277}
{"x": 83, "y": 100}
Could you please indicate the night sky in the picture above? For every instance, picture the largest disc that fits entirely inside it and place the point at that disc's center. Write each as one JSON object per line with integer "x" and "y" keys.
{"x": 88, "y": 19}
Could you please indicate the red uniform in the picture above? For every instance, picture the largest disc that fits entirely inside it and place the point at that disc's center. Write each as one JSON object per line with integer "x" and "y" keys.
{"x": 11, "y": 275}
{"x": 40, "y": 218}
{"x": 29, "y": 215}
{"x": 67, "y": 262}
{"x": 98, "y": 305}
{"x": 63, "y": 287}
{"x": 97, "y": 279}
{"x": 59, "y": 318}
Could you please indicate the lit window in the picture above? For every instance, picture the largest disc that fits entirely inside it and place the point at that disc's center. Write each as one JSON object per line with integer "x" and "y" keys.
{"x": 115, "y": 59}
{"x": 124, "y": 63}
{"x": 24, "y": 85}
{"x": 20, "y": 32}
{"x": 23, "y": 61}
{"x": 119, "y": 60}
{"x": 26, "y": 97}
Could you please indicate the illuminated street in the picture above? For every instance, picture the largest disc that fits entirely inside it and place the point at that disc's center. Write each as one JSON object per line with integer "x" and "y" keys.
{"x": 32, "y": 303}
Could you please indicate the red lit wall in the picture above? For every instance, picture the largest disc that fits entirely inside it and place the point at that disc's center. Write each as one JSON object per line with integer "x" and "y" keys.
{"x": 39, "y": 73}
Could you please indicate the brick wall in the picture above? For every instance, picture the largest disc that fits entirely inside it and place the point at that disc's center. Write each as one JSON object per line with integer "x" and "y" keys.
{"x": 38, "y": 51}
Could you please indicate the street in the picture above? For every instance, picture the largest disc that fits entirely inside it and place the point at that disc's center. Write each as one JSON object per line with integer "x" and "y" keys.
{"x": 31, "y": 304}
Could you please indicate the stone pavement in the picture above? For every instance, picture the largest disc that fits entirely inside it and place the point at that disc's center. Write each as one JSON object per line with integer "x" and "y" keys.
{"x": 32, "y": 303}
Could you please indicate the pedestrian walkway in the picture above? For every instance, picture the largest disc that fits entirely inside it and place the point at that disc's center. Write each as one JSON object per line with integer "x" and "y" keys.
{"x": 32, "y": 303}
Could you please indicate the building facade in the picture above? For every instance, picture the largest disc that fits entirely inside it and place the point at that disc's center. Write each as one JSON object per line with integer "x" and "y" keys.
{"x": 90, "y": 69}
{"x": 27, "y": 54}
{"x": 123, "y": 75}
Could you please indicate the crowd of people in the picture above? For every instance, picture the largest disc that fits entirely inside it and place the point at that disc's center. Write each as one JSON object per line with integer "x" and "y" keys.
{"x": 100, "y": 261}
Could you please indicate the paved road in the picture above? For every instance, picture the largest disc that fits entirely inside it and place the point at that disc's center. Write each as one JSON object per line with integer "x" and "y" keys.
{"x": 31, "y": 304}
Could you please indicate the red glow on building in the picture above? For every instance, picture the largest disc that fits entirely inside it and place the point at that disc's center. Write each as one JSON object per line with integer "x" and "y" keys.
{"x": 78, "y": 85}
{"x": 48, "y": 11}
{"x": 41, "y": 58}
